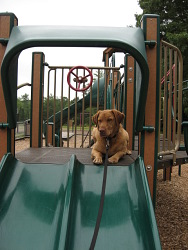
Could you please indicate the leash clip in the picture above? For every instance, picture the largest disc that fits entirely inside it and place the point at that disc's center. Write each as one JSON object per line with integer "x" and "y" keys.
{"x": 107, "y": 143}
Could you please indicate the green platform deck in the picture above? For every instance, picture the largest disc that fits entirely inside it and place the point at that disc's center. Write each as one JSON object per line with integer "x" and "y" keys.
{"x": 54, "y": 206}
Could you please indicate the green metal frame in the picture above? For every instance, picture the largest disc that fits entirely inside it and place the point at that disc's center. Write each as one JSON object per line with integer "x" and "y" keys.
{"x": 130, "y": 40}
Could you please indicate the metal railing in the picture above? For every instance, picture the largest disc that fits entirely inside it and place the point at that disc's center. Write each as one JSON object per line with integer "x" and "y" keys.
{"x": 171, "y": 74}
{"x": 22, "y": 129}
{"x": 72, "y": 123}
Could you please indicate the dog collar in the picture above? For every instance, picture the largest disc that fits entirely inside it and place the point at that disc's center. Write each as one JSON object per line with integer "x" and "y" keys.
{"x": 109, "y": 138}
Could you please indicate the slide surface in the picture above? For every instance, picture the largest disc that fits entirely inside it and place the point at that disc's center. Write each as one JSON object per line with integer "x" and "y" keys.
{"x": 48, "y": 206}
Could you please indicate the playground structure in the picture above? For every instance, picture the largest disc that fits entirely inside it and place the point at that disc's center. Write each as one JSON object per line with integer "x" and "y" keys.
{"x": 72, "y": 196}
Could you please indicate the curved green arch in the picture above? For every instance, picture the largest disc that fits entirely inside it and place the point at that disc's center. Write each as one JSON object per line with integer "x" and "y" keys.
{"x": 129, "y": 40}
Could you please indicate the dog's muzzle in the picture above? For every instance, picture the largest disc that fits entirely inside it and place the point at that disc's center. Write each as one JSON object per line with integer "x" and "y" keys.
{"x": 102, "y": 132}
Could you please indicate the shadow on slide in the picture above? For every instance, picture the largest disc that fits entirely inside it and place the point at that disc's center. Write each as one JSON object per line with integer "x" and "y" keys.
{"x": 48, "y": 206}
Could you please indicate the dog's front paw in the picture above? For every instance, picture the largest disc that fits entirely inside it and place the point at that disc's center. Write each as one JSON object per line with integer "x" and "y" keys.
{"x": 97, "y": 160}
{"x": 129, "y": 152}
{"x": 113, "y": 159}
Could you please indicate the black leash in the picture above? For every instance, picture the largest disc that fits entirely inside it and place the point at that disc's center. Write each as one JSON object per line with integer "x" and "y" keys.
{"x": 99, "y": 216}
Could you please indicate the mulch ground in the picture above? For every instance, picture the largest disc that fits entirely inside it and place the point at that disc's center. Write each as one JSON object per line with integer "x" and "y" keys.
{"x": 171, "y": 206}
{"x": 172, "y": 209}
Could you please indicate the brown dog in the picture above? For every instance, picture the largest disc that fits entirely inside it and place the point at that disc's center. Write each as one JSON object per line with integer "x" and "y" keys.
{"x": 108, "y": 125}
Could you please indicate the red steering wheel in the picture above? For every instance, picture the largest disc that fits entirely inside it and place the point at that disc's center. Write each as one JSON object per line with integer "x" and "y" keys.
{"x": 80, "y": 79}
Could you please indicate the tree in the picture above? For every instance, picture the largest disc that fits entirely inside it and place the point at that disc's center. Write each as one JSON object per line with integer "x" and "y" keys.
{"x": 174, "y": 27}
{"x": 99, "y": 73}
{"x": 51, "y": 105}
{"x": 23, "y": 107}
{"x": 173, "y": 23}
{"x": 57, "y": 105}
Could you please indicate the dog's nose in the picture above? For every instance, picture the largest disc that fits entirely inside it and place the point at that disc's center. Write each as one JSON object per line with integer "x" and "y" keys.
{"x": 102, "y": 131}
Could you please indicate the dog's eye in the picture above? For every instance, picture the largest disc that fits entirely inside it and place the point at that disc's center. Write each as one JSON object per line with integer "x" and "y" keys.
{"x": 99, "y": 121}
{"x": 109, "y": 119}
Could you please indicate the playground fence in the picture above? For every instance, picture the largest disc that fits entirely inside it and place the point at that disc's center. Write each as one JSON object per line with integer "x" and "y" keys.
{"x": 97, "y": 97}
{"x": 20, "y": 131}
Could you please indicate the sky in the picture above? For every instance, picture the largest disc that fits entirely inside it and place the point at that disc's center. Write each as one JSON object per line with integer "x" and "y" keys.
{"x": 119, "y": 13}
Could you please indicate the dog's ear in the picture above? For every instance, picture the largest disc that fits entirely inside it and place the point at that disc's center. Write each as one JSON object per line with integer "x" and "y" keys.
{"x": 118, "y": 116}
{"x": 95, "y": 117}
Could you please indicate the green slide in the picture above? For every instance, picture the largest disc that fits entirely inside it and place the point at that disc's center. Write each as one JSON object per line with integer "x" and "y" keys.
{"x": 51, "y": 206}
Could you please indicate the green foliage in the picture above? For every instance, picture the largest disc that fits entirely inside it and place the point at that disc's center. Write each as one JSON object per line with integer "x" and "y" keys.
{"x": 99, "y": 73}
{"x": 23, "y": 108}
{"x": 52, "y": 105}
{"x": 55, "y": 106}
{"x": 87, "y": 111}
{"x": 174, "y": 23}
{"x": 174, "y": 27}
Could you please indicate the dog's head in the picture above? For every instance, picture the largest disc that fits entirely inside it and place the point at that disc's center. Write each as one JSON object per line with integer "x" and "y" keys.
{"x": 108, "y": 121}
